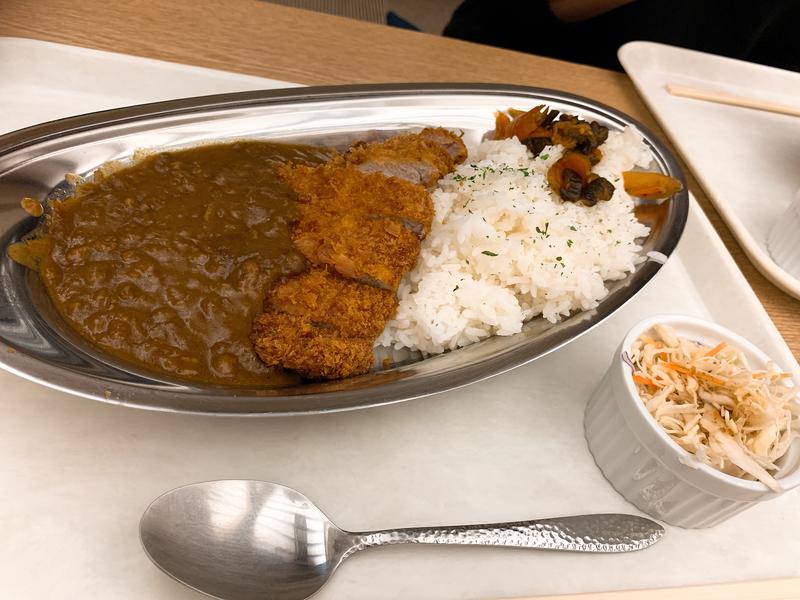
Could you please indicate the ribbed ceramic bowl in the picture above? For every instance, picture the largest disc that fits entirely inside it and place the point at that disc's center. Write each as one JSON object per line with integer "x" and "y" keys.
{"x": 783, "y": 241}
{"x": 646, "y": 466}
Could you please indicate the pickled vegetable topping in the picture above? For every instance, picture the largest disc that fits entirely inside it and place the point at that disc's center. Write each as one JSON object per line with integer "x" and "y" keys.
{"x": 571, "y": 176}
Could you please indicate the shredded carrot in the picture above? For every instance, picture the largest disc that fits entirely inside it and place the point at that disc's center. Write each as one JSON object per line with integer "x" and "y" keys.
{"x": 693, "y": 372}
{"x": 716, "y": 349}
{"x": 674, "y": 367}
{"x": 638, "y": 378}
{"x": 709, "y": 377}
{"x": 765, "y": 375}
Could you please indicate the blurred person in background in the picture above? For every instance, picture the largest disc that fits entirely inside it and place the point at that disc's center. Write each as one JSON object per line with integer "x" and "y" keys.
{"x": 591, "y": 31}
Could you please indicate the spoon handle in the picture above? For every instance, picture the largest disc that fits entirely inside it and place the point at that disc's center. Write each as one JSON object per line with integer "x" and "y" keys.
{"x": 583, "y": 533}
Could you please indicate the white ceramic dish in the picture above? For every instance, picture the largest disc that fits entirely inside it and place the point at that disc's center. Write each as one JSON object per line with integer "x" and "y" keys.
{"x": 646, "y": 466}
{"x": 77, "y": 475}
{"x": 746, "y": 160}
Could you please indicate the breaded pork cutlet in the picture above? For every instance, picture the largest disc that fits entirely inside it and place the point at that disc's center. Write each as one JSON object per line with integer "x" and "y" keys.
{"x": 322, "y": 325}
{"x": 368, "y": 249}
{"x": 334, "y": 303}
{"x": 446, "y": 139}
{"x": 361, "y": 221}
{"x": 421, "y": 158}
{"x": 366, "y": 226}
{"x": 338, "y": 186}
{"x": 296, "y": 344}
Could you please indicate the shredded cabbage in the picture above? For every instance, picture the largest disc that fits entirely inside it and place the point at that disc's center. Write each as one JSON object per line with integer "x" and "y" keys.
{"x": 713, "y": 405}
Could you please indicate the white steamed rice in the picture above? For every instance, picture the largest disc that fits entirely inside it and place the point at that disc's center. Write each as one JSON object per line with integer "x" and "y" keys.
{"x": 503, "y": 249}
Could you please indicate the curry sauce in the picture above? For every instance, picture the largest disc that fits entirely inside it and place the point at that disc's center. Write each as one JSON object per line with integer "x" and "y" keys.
{"x": 165, "y": 263}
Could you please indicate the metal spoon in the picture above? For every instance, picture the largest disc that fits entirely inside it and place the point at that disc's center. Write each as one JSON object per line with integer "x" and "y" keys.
{"x": 240, "y": 539}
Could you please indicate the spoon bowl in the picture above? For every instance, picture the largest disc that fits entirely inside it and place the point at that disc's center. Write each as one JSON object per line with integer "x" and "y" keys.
{"x": 242, "y": 540}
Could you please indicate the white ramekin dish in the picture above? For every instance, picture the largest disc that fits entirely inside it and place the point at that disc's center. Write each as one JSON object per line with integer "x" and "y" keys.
{"x": 646, "y": 466}
{"x": 783, "y": 240}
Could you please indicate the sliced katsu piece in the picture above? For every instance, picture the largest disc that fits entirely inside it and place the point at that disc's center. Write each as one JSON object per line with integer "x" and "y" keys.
{"x": 452, "y": 143}
{"x": 367, "y": 249}
{"x": 295, "y": 343}
{"x": 421, "y": 158}
{"x": 361, "y": 219}
{"x": 337, "y": 186}
{"x": 322, "y": 325}
{"x": 334, "y": 303}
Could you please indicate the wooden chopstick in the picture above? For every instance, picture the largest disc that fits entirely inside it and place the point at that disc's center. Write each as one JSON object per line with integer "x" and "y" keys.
{"x": 723, "y": 98}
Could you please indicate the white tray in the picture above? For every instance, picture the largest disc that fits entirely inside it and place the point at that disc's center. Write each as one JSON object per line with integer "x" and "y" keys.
{"x": 76, "y": 474}
{"x": 746, "y": 160}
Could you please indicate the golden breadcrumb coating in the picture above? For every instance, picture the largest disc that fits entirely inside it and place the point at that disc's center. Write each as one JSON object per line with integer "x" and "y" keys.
{"x": 361, "y": 219}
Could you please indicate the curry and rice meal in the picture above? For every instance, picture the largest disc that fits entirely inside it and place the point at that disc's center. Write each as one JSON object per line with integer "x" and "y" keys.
{"x": 257, "y": 263}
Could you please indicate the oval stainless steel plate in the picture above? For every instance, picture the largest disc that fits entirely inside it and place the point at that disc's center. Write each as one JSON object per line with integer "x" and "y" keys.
{"x": 38, "y": 345}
